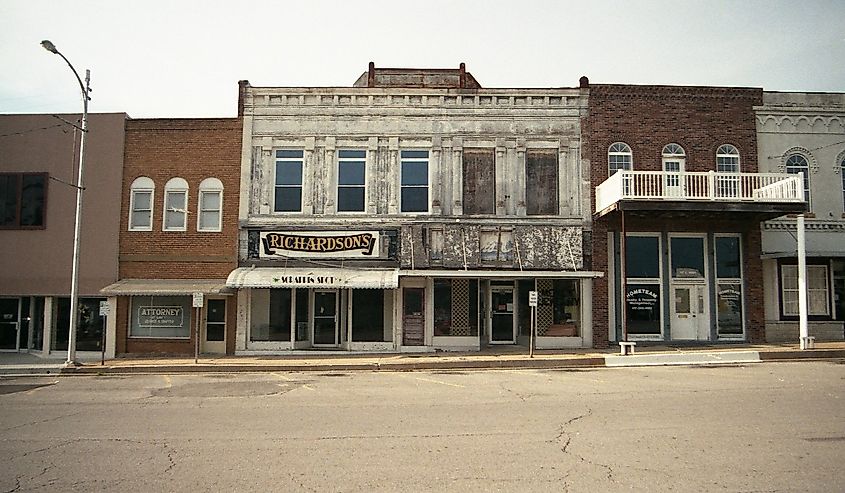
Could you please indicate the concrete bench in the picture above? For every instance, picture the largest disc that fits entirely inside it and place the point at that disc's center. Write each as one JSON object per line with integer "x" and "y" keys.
{"x": 626, "y": 348}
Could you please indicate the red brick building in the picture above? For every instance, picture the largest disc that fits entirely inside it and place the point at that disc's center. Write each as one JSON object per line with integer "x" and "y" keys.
{"x": 677, "y": 202}
{"x": 178, "y": 235}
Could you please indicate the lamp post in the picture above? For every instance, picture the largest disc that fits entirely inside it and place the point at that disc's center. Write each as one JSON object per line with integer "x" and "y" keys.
{"x": 74, "y": 280}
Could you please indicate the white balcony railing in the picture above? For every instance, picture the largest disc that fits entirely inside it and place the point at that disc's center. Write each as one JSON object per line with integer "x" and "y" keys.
{"x": 700, "y": 186}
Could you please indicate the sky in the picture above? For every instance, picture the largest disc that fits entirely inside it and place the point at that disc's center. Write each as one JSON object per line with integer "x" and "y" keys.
{"x": 172, "y": 58}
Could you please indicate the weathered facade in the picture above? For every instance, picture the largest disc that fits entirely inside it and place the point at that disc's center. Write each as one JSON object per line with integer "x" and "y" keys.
{"x": 678, "y": 203}
{"x": 178, "y": 237}
{"x": 805, "y": 133}
{"x": 39, "y": 155}
{"x": 412, "y": 211}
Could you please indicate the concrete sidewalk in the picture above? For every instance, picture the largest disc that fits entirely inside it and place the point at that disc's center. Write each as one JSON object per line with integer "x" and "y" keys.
{"x": 510, "y": 357}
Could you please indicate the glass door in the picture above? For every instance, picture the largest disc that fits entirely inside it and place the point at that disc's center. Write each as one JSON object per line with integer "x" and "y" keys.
{"x": 325, "y": 319}
{"x": 502, "y": 320}
{"x": 9, "y": 323}
{"x": 214, "y": 334}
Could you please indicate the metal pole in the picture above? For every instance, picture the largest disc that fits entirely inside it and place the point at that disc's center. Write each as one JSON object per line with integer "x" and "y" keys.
{"x": 623, "y": 278}
{"x": 103, "y": 340}
{"x": 74, "y": 283}
{"x": 531, "y": 334}
{"x": 197, "y": 336}
{"x": 802, "y": 285}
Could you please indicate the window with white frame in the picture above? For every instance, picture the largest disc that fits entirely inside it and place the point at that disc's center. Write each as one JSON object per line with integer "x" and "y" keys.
{"x": 818, "y": 299}
{"x": 414, "y": 181}
{"x": 619, "y": 156}
{"x": 210, "y": 205}
{"x": 797, "y": 163}
{"x": 141, "y": 196}
{"x": 288, "y": 184}
{"x": 351, "y": 180}
{"x": 727, "y": 161}
{"x": 175, "y": 205}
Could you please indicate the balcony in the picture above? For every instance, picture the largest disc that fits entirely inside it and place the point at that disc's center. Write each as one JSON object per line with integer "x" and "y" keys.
{"x": 767, "y": 195}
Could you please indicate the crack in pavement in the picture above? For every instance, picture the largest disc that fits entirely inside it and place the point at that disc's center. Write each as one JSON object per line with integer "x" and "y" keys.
{"x": 565, "y": 439}
{"x": 41, "y": 421}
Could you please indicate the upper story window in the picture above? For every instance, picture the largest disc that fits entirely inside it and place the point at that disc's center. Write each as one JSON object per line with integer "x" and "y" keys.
{"x": 351, "y": 180}
{"x": 479, "y": 181}
{"x": 141, "y": 204}
{"x": 22, "y": 200}
{"x": 541, "y": 181}
{"x": 288, "y": 193}
{"x": 414, "y": 181}
{"x": 210, "y": 205}
{"x": 619, "y": 156}
{"x": 175, "y": 205}
{"x": 727, "y": 159}
{"x": 797, "y": 163}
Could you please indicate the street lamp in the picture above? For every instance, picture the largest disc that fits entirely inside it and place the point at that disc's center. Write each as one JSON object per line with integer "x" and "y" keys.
{"x": 74, "y": 280}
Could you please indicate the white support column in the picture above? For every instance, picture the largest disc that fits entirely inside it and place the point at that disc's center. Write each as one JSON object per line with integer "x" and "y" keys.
{"x": 49, "y": 321}
{"x": 805, "y": 340}
{"x": 111, "y": 328}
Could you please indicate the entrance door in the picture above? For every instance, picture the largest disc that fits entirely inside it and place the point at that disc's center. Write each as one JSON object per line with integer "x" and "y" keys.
{"x": 214, "y": 333}
{"x": 413, "y": 317}
{"x": 502, "y": 328}
{"x": 673, "y": 181}
{"x": 689, "y": 321}
{"x": 9, "y": 324}
{"x": 325, "y": 319}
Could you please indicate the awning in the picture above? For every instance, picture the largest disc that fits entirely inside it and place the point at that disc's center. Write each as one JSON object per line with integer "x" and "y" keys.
{"x": 273, "y": 277}
{"x": 165, "y": 287}
{"x": 502, "y": 274}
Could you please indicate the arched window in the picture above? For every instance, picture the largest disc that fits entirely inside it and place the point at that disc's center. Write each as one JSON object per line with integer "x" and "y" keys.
{"x": 674, "y": 160}
{"x": 797, "y": 163}
{"x": 175, "y": 205}
{"x": 210, "y": 205}
{"x": 619, "y": 156}
{"x": 727, "y": 159}
{"x": 142, "y": 192}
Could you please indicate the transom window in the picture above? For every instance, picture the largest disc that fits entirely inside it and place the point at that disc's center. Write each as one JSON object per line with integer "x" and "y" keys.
{"x": 414, "y": 181}
{"x": 141, "y": 204}
{"x": 22, "y": 200}
{"x": 288, "y": 189}
{"x": 210, "y": 205}
{"x": 619, "y": 156}
{"x": 673, "y": 150}
{"x": 175, "y": 205}
{"x": 727, "y": 159}
{"x": 351, "y": 180}
{"x": 796, "y": 163}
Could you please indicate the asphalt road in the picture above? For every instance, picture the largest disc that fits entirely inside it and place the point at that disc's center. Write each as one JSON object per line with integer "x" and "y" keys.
{"x": 762, "y": 427}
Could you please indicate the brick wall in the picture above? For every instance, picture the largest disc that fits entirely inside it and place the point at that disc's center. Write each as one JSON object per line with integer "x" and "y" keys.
{"x": 700, "y": 119}
{"x": 192, "y": 149}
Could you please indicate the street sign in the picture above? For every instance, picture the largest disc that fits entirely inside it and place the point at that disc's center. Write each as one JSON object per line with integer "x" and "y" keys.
{"x": 104, "y": 308}
{"x": 197, "y": 300}
{"x": 532, "y": 298}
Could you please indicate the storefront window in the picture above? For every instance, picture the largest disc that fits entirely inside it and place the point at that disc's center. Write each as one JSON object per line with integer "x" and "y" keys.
{"x": 89, "y": 332}
{"x": 642, "y": 307}
{"x": 687, "y": 257}
{"x": 271, "y": 315}
{"x": 642, "y": 256}
{"x": 727, "y": 257}
{"x": 559, "y": 308}
{"x": 456, "y": 307}
{"x": 368, "y": 316}
{"x": 301, "y": 315}
{"x": 729, "y": 308}
{"x": 161, "y": 316}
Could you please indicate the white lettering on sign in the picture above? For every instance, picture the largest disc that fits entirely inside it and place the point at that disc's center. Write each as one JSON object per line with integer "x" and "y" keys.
{"x": 160, "y": 316}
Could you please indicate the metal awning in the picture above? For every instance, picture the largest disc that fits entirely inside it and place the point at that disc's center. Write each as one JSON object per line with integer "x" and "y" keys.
{"x": 276, "y": 277}
{"x": 502, "y": 274}
{"x": 165, "y": 287}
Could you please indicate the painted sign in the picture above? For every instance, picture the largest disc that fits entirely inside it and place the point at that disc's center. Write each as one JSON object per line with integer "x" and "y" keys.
{"x": 160, "y": 316}
{"x": 642, "y": 299}
{"x": 326, "y": 244}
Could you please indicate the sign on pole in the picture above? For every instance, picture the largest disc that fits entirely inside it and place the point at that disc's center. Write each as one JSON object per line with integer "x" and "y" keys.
{"x": 104, "y": 308}
{"x": 532, "y": 298}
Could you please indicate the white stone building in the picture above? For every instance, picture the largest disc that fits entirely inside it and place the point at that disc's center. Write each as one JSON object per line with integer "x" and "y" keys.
{"x": 412, "y": 211}
{"x": 805, "y": 132}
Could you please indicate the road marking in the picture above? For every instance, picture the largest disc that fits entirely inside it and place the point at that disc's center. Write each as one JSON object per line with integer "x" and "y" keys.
{"x": 168, "y": 382}
{"x": 288, "y": 379}
{"x": 36, "y": 389}
{"x": 431, "y": 380}
{"x": 312, "y": 389}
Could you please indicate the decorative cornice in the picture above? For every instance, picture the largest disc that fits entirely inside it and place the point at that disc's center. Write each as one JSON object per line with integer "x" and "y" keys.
{"x": 811, "y": 160}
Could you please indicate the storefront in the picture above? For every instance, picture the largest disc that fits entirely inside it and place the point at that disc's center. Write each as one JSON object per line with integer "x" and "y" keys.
{"x": 165, "y": 316}
{"x": 470, "y": 310}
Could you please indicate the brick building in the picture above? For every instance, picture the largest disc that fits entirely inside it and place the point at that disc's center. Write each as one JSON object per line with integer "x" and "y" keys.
{"x": 678, "y": 202}
{"x": 412, "y": 211}
{"x": 178, "y": 236}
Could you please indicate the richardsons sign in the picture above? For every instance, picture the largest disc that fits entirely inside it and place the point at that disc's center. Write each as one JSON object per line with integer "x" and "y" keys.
{"x": 325, "y": 244}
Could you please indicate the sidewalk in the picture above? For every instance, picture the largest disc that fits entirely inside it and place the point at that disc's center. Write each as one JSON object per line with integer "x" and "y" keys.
{"x": 510, "y": 357}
